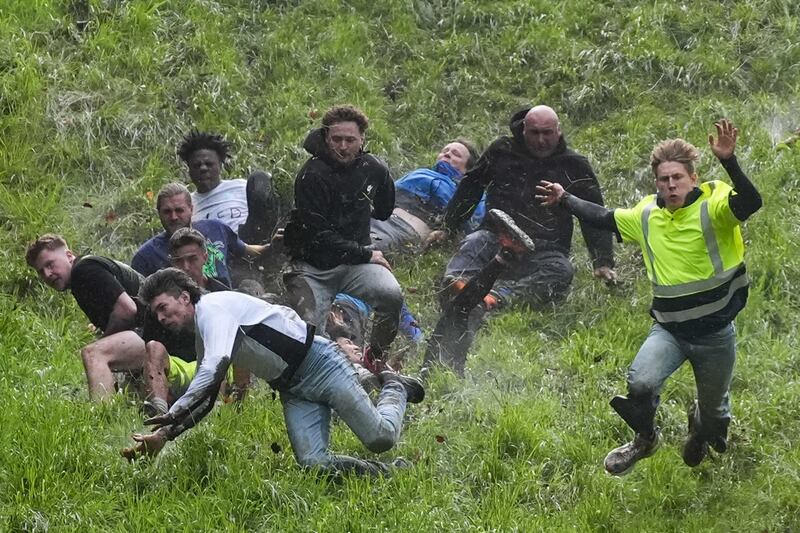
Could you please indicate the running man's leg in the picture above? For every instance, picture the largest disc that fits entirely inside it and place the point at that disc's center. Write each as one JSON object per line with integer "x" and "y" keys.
{"x": 660, "y": 355}
{"x": 713, "y": 357}
{"x": 327, "y": 381}
{"x": 118, "y": 352}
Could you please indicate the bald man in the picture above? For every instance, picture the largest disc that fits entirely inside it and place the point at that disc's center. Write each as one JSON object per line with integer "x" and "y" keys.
{"x": 488, "y": 267}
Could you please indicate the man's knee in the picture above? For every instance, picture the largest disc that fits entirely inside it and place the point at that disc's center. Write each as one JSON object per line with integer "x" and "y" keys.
{"x": 641, "y": 390}
{"x": 92, "y": 354}
{"x": 299, "y": 295}
{"x": 157, "y": 354}
{"x": 380, "y": 443}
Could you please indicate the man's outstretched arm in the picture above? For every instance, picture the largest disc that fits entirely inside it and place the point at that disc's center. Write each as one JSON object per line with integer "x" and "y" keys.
{"x": 747, "y": 199}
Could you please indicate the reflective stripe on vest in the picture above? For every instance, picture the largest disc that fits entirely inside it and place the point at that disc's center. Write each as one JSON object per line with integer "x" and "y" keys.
{"x": 646, "y": 234}
{"x": 720, "y": 276}
{"x": 701, "y": 311}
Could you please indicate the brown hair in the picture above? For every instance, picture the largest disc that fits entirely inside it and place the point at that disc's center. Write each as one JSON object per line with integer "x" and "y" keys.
{"x": 676, "y": 150}
{"x": 185, "y": 236}
{"x": 48, "y": 241}
{"x": 471, "y": 148}
{"x": 170, "y": 281}
{"x": 345, "y": 113}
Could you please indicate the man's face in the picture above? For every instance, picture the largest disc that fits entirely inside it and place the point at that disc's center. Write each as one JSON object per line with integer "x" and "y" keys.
{"x": 204, "y": 169}
{"x": 190, "y": 258}
{"x": 344, "y": 141}
{"x": 541, "y": 135}
{"x": 55, "y": 267}
{"x": 351, "y": 350}
{"x": 674, "y": 183}
{"x": 175, "y": 213}
{"x": 456, "y": 154}
{"x": 173, "y": 313}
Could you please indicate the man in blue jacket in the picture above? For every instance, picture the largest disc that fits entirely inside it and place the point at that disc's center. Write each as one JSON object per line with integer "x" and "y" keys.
{"x": 422, "y": 195}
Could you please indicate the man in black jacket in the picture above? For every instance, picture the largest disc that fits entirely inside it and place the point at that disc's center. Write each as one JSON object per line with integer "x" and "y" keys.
{"x": 338, "y": 190}
{"x": 508, "y": 172}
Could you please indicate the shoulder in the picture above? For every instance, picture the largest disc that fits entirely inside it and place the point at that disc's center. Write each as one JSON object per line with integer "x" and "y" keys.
{"x": 87, "y": 265}
{"x": 313, "y": 172}
{"x": 716, "y": 188}
{"x": 501, "y": 144}
{"x": 233, "y": 185}
{"x": 637, "y": 209}
{"x": 575, "y": 158}
{"x": 154, "y": 243}
{"x": 374, "y": 163}
{"x": 211, "y": 228}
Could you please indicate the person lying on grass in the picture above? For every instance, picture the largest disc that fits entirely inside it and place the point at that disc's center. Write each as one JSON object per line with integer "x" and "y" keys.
{"x": 691, "y": 241}
{"x": 272, "y": 341}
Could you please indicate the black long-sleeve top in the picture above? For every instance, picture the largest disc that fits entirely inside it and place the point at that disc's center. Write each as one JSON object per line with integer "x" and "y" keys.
{"x": 744, "y": 203}
{"x": 509, "y": 174}
{"x": 333, "y": 206}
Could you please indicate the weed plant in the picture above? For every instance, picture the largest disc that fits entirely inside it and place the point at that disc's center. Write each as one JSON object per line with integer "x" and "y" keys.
{"x": 96, "y": 94}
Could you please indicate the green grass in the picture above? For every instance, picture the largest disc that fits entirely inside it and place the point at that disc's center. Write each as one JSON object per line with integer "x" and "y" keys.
{"x": 89, "y": 122}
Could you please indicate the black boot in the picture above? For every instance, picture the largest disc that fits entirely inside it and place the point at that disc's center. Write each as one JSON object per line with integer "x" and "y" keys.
{"x": 263, "y": 210}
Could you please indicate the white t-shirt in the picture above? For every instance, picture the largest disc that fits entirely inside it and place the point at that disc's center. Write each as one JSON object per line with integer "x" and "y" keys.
{"x": 220, "y": 341}
{"x": 227, "y": 202}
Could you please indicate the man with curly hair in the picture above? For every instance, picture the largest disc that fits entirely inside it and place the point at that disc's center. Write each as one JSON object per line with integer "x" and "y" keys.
{"x": 337, "y": 192}
{"x": 249, "y": 207}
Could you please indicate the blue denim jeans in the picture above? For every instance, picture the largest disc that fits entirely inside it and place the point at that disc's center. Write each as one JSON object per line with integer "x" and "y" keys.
{"x": 326, "y": 381}
{"x": 542, "y": 277}
{"x": 712, "y": 357}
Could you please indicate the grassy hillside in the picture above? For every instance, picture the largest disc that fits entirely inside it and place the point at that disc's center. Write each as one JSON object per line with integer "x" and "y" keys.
{"x": 94, "y": 97}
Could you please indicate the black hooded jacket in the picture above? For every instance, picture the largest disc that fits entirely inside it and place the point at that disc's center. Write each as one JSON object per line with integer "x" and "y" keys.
{"x": 333, "y": 205}
{"x": 509, "y": 174}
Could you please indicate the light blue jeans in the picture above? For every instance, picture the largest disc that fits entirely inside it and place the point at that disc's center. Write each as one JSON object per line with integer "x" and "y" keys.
{"x": 712, "y": 357}
{"x": 326, "y": 381}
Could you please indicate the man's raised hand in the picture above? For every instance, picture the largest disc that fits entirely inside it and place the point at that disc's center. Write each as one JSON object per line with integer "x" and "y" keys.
{"x": 725, "y": 143}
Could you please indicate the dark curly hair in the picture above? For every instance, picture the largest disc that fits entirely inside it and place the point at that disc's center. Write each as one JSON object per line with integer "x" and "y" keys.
{"x": 345, "y": 113}
{"x": 201, "y": 140}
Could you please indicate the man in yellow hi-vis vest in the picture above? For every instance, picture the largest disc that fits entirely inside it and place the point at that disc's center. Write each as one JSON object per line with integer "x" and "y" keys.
{"x": 692, "y": 246}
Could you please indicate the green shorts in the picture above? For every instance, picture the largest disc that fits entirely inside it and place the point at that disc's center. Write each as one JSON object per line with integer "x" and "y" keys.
{"x": 181, "y": 373}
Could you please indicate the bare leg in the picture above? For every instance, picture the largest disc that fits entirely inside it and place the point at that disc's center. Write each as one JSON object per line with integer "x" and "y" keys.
{"x": 156, "y": 369}
{"x": 121, "y": 351}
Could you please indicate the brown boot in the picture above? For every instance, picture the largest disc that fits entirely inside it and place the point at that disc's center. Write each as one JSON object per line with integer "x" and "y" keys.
{"x": 621, "y": 460}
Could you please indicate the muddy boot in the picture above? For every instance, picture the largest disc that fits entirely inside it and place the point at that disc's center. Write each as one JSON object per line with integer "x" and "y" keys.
{"x": 695, "y": 449}
{"x": 262, "y": 209}
{"x": 621, "y": 460}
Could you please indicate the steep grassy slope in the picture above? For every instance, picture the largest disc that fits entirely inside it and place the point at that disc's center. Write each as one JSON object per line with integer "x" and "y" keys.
{"x": 95, "y": 95}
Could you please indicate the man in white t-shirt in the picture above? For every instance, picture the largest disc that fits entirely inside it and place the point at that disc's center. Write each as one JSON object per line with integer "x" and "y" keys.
{"x": 275, "y": 344}
{"x": 249, "y": 207}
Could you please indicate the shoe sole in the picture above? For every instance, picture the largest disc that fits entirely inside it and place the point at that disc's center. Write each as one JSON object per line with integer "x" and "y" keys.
{"x": 500, "y": 219}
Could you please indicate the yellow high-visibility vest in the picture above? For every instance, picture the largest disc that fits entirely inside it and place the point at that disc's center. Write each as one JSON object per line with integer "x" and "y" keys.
{"x": 694, "y": 256}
